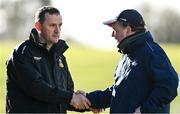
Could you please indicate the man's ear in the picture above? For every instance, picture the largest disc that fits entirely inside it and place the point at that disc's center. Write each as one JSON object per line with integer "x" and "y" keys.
{"x": 37, "y": 25}
{"x": 129, "y": 30}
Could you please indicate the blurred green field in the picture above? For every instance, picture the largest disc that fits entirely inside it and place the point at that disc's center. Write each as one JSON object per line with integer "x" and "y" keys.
{"x": 91, "y": 69}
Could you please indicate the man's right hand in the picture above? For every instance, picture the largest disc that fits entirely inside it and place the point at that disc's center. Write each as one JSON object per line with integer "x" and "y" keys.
{"x": 79, "y": 101}
{"x": 95, "y": 111}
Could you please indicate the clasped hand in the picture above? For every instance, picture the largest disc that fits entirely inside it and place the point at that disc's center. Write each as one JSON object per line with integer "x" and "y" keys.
{"x": 79, "y": 101}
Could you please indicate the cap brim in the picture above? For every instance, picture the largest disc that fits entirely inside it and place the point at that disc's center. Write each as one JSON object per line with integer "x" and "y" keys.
{"x": 110, "y": 22}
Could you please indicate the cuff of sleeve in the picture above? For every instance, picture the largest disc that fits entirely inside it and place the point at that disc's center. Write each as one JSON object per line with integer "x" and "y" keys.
{"x": 69, "y": 96}
{"x": 65, "y": 97}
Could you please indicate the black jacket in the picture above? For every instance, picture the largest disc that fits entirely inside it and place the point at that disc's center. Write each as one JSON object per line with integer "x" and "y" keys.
{"x": 144, "y": 78}
{"x": 38, "y": 80}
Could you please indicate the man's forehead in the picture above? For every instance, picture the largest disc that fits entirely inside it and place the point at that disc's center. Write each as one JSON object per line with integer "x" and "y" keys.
{"x": 53, "y": 16}
{"x": 53, "y": 19}
{"x": 115, "y": 24}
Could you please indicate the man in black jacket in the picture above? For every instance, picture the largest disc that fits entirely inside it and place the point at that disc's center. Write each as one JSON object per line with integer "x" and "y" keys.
{"x": 38, "y": 76}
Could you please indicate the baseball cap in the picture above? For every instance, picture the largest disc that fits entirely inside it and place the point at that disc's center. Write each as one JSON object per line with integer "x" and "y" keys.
{"x": 129, "y": 16}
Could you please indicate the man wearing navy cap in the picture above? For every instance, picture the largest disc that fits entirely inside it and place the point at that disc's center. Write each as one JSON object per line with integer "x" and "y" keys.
{"x": 145, "y": 80}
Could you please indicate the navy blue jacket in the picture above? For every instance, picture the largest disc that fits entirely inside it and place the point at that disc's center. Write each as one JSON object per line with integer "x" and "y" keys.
{"x": 149, "y": 82}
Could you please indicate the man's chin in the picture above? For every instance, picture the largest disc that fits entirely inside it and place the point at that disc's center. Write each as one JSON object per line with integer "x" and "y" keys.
{"x": 56, "y": 40}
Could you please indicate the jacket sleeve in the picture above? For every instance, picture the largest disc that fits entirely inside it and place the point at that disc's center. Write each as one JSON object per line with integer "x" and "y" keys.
{"x": 165, "y": 82}
{"x": 24, "y": 73}
{"x": 100, "y": 99}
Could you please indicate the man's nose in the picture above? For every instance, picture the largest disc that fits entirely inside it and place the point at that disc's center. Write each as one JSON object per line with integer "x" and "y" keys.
{"x": 57, "y": 29}
{"x": 113, "y": 33}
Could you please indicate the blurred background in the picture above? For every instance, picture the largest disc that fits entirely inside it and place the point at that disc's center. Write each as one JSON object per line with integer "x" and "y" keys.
{"x": 92, "y": 56}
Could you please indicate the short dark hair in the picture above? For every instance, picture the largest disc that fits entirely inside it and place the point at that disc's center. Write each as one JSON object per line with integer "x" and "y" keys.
{"x": 41, "y": 12}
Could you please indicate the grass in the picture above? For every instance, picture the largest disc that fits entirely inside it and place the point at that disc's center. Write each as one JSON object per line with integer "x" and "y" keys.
{"x": 91, "y": 69}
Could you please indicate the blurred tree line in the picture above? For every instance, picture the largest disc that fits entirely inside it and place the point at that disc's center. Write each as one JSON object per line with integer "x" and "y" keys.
{"x": 17, "y": 17}
{"x": 164, "y": 24}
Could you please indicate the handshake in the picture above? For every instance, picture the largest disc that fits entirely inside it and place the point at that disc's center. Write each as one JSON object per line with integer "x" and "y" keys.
{"x": 79, "y": 101}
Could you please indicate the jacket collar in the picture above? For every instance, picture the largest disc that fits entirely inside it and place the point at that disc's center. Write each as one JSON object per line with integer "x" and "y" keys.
{"x": 59, "y": 47}
{"x": 130, "y": 43}
{"x": 34, "y": 36}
